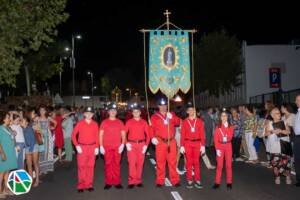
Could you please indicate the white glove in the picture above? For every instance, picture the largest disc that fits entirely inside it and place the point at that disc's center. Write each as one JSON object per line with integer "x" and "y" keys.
{"x": 182, "y": 150}
{"x": 218, "y": 153}
{"x": 102, "y": 150}
{"x": 169, "y": 115}
{"x": 96, "y": 151}
{"x": 144, "y": 149}
{"x": 154, "y": 141}
{"x": 78, "y": 149}
{"x": 202, "y": 149}
{"x": 121, "y": 148}
{"x": 128, "y": 147}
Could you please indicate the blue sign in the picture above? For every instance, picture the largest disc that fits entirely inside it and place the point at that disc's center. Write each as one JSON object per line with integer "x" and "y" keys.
{"x": 275, "y": 77}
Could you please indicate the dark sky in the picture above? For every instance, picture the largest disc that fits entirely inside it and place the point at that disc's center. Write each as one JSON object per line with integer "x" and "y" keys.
{"x": 110, "y": 28}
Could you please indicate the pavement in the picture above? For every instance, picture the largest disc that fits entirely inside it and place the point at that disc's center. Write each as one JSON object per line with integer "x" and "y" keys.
{"x": 253, "y": 182}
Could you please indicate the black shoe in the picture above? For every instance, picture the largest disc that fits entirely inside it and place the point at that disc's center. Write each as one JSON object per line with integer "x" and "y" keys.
{"x": 107, "y": 187}
{"x": 177, "y": 185}
{"x": 91, "y": 189}
{"x": 159, "y": 185}
{"x": 229, "y": 186}
{"x": 189, "y": 184}
{"x": 216, "y": 186}
{"x": 140, "y": 185}
{"x": 297, "y": 184}
{"x": 80, "y": 190}
{"x": 130, "y": 186}
{"x": 119, "y": 186}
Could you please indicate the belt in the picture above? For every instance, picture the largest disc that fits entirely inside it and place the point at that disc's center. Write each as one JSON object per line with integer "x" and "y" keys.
{"x": 136, "y": 141}
{"x": 165, "y": 140}
{"x": 193, "y": 140}
{"x": 87, "y": 144}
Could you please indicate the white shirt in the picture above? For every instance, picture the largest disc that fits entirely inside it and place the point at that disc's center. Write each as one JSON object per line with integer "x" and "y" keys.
{"x": 273, "y": 141}
{"x": 290, "y": 121}
{"x": 19, "y": 131}
{"x": 297, "y": 123}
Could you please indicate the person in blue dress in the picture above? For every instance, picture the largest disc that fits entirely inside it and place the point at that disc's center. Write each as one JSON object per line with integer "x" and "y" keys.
{"x": 8, "y": 157}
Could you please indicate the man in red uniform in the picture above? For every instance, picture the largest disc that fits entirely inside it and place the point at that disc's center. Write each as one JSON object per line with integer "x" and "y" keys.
{"x": 163, "y": 127}
{"x": 138, "y": 139}
{"x": 112, "y": 140}
{"x": 87, "y": 147}
{"x": 222, "y": 140}
{"x": 192, "y": 145}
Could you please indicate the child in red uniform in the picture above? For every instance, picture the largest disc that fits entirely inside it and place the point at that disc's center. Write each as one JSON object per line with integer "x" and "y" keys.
{"x": 222, "y": 140}
{"x": 138, "y": 139}
{"x": 163, "y": 127}
{"x": 87, "y": 147}
{"x": 192, "y": 145}
{"x": 112, "y": 140}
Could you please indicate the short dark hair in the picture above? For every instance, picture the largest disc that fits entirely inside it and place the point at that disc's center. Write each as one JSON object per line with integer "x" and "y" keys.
{"x": 250, "y": 108}
{"x": 3, "y": 115}
{"x": 288, "y": 107}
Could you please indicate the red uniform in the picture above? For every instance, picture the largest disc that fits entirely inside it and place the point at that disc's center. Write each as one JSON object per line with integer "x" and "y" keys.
{"x": 88, "y": 140}
{"x": 111, "y": 142}
{"x": 59, "y": 137}
{"x": 192, "y": 138}
{"x": 160, "y": 131}
{"x": 222, "y": 141}
{"x": 138, "y": 136}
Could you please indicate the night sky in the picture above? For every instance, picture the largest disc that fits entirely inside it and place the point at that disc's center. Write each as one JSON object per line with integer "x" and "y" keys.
{"x": 111, "y": 38}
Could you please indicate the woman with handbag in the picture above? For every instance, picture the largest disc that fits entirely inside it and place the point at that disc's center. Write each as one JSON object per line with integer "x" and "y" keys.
{"x": 280, "y": 147}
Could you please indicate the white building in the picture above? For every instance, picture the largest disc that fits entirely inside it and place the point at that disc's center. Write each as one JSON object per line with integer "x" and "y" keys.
{"x": 258, "y": 59}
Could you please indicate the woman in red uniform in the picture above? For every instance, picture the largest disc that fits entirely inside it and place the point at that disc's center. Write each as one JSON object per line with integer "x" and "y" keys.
{"x": 112, "y": 140}
{"x": 138, "y": 139}
{"x": 222, "y": 140}
{"x": 192, "y": 145}
{"x": 59, "y": 138}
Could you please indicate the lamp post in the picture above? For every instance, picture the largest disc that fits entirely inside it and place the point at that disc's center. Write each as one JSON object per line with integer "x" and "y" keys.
{"x": 92, "y": 80}
{"x": 72, "y": 65}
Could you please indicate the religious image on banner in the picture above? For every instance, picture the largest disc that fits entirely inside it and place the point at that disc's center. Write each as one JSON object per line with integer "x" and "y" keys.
{"x": 169, "y": 62}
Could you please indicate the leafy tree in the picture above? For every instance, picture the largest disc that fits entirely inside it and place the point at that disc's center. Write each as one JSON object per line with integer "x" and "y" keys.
{"x": 217, "y": 63}
{"x": 25, "y": 25}
{"x": 105, "y": 85}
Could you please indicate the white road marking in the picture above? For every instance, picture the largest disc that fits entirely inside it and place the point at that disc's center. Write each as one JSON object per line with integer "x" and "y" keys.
{"x": 176, "y": 195}
{"x": 167, "y": 182}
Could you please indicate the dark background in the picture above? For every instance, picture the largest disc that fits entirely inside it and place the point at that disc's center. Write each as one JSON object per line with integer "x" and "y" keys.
{"x": 111, "y": 38}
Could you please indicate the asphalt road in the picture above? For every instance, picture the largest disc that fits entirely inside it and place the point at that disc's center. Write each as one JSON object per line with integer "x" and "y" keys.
{"x": 253, "y": 182}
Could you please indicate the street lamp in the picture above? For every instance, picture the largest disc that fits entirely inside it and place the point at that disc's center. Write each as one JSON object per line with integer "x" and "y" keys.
{"x": 92, "y": 80}
{"x": 72, "y": 65}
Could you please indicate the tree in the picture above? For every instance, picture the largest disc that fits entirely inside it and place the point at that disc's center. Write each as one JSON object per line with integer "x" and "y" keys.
{"x": 25, "y": 25}
{"x": 105, "y": 85}
{"x": 217, "y": 63}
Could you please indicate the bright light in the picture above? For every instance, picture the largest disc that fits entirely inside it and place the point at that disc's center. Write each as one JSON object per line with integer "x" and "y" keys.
{"x": 67, "y": 49}
{"x": 127, "y": 89}
{"x": 78, "y": 37}
{"x": 85, "y": 97}
{"x": 177, "y": 99}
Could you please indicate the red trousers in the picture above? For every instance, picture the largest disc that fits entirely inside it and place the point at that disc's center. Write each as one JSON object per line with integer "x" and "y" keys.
{"x": 226, "y": 153}
{"x": 192, "y": 155}
{"x": 163, "y": 156}
{"x": 112, "y": 160}
{"x": 135, "y": 163}
{"x": 86, "y": 164}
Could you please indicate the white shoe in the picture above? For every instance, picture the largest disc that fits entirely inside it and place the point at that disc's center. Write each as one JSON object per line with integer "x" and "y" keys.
{"x": 179, "y": 172}
{"x": 277, "y": 180}
{"x": 288, "y": 180}
{"x": 239, "y": 159}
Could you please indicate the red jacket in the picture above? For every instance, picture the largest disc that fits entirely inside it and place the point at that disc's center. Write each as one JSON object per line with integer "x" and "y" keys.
{"x": 218, "y": 138}
{"x": 137, "y": 130}
{"x": 87, "y": 133}
{"x": 186, "y": 131}
{"x": 159, "y": 129}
